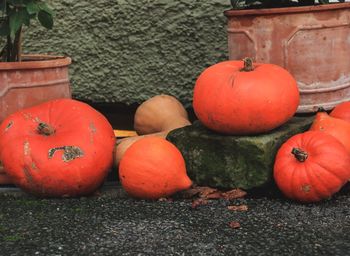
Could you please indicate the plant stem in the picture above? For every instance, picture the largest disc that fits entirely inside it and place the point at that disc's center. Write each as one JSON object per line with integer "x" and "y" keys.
{"x": 248, "y": 65}
{"x": 9, "y": 48}
{"x": 45, "y": 129}
{"x": 17, "y": 49}
{"x": 299, "y": 154}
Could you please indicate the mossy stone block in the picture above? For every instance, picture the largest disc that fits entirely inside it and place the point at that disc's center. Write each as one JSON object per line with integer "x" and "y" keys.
{"x": 226, "y": 161}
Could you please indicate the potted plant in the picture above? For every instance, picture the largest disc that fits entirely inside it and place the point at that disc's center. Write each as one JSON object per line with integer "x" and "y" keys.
{"x": 310, "y": 39}
{"x": 27, "y": 80}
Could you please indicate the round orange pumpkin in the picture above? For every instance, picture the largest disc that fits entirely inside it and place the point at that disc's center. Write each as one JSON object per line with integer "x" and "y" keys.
{"x": 338, "y": 128}
{"x": 61, "y": 148}
{"x": 311, "y": 166}
{"x": 240, "y": 97}
{"x": 152, "y": 168}
{"x": 342, "y": 111}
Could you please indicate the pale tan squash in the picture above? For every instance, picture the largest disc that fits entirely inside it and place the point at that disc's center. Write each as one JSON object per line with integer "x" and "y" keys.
{"x": 160, "y": 113}
{"x": 156, "y": 116}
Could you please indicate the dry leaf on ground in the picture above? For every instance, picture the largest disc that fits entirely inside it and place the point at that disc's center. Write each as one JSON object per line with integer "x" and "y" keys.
{"x": 238, "y": 208}
{"x": 198, "y": 202}
{"x": 234, "y": 224}
{"x": 234, "y": 194}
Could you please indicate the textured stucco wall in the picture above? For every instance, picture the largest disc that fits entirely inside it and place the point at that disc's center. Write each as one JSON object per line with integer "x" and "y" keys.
{"x": 127, "y": 51}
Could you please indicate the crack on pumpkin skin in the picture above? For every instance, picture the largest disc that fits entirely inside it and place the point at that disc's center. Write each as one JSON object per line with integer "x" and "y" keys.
{"x": 28, "y": 176}
{"x": 8, "y": 126}
{"x": 93, "y": 130}
{"x": 27, "y": 116}
{"x": 34, "y": 167}
{"x": 69, "y": 152}
{"x": 26, "y": 148}
{"x": 306, "y": 188}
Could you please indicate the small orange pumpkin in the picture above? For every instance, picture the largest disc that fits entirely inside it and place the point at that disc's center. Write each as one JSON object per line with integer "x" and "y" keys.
{"x": 342, "y": 111}
{"x": 311, "y": 166}
{"x": 338, "y": 128}
{"x": 152, "y": 168}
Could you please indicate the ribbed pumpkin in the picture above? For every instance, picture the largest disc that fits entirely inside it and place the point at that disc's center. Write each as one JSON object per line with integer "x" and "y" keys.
{"x": 61, "y": 148}
{"x": 342, "y": 111}
{"x": 311, "y": 166}
{"x": 152, "y": 168}
{"x": 241, "y": 97}
{"x": 336, "y": 127}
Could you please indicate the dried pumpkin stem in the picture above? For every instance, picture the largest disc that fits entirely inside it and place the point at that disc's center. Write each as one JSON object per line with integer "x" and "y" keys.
{"x": 321, "y": 109}
{"x": 299, "y": 154}
{"x": 45, "y": 129}
{"x": 248, "y": 65}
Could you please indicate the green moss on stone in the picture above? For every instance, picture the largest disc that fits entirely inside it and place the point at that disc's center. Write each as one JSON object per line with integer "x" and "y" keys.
{"x": 224, "y": 161}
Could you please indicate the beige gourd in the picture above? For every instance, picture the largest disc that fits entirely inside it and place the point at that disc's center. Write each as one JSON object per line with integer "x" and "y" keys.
{"x": 156, "y": 116}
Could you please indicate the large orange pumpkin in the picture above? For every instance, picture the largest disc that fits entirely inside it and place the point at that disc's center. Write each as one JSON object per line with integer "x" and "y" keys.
{"x": 240, "y": 97}
{"x": 311, "y": 166}
{"x": 60, "y": 148}
{"x": 152, "y": 168}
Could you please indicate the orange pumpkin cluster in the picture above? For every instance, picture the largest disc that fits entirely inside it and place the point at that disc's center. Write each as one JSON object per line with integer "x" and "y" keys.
{"x": 150, "y": 167}
{"x": 314, "y": 165}
{"x": 243, "y": 98}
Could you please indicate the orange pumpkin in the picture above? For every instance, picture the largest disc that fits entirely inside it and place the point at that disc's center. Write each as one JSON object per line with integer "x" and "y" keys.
{"x": 311, "y": 166}
{"x": 342, "y": 111}
{"x": 338, "y": 128}
{"x": 61, "y": 148}
{"x": 152, "y": 168}
{"x": 236, "y": 97}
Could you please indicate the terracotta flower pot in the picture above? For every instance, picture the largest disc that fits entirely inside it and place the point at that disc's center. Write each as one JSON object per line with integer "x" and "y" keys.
{"x": 312, "y": 42}
{"x": 38, "y": 78}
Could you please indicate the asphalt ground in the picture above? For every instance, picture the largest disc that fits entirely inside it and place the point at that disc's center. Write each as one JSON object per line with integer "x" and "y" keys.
{"x": 112, "y": 223}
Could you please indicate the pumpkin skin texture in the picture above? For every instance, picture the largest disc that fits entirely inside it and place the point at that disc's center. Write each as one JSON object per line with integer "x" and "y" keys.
{"x": 152, "y": 168}
{"x": 160, "y": 113}
{"x": 231, "y": 101}
{"x": 61, "y": 148}
{"x": 338, "y": 128}
{"x": 125, "y": 143}
{"x": 311, "y": 166}
{"x": 342, "y": 111}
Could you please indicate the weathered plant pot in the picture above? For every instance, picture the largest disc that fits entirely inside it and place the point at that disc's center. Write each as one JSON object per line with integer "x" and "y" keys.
{"x": 312, "y": 42}
{"x": 36, "y": 79}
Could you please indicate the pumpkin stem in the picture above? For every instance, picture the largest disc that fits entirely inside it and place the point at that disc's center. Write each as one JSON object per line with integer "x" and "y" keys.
{"x": 45, "y": 129}
{"x": 321, "y": 109}
{"x": 299, "y": 154}
{"x": 248, "y": 65}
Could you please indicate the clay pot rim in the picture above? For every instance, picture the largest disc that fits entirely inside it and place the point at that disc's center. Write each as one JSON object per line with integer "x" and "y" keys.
{"x": 35, "y": 61}
{"x": 287, "y": 10}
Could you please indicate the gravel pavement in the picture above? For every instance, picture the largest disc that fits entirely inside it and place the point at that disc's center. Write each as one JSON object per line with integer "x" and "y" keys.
{"x": 111, "y": 223}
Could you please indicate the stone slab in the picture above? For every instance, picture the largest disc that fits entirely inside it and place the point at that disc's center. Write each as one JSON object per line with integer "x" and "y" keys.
{"x": 226, "y": 161}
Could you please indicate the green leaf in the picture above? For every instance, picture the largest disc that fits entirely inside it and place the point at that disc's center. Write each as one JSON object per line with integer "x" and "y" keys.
{"x": 17, "y": 19}
{"x": 32, "y": 8}
{"x": 15, "y": 2}
{"x": 4, "y": 28}
{"x": 2, "y": 5}
{"x": 45, "y": 19}
{"x": 44, "y": 7}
